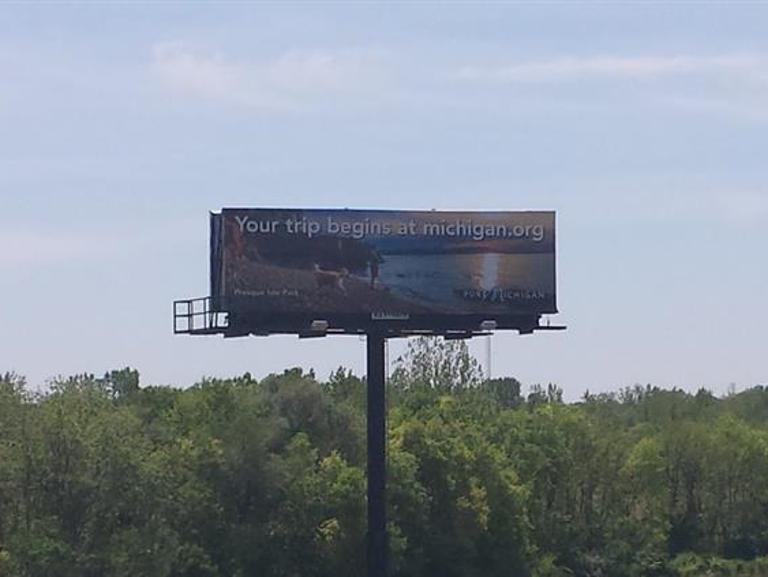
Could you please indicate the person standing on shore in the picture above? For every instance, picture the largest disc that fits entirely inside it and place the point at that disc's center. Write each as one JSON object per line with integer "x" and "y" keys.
{"x": 373, "y": 264}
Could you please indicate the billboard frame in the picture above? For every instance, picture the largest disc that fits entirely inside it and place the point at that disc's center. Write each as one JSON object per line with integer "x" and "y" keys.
{"x": 391, "y": 309}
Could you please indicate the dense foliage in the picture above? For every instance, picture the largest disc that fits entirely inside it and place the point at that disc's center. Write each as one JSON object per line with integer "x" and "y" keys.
{"x": 241, "y": 477}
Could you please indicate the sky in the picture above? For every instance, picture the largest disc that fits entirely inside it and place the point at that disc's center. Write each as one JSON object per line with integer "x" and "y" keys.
{"x": 643, "y": 124}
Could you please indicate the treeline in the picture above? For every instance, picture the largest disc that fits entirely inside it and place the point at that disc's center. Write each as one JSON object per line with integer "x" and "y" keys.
{"x": 242, "y": 477}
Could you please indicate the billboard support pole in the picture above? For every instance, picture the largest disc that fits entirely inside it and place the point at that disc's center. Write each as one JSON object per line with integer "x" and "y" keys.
{"x": 377, "y": 455}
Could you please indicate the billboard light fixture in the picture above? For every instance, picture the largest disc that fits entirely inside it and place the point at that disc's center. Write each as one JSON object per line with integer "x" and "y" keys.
{"x": 319, "y": 326}
{"x": 488, "y": 325}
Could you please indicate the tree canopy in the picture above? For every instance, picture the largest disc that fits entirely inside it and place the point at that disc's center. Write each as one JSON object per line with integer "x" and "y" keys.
{"x": 239, "y": 477}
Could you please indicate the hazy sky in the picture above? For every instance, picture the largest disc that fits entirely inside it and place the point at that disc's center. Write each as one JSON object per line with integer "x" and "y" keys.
{"x": 643, "y": 124}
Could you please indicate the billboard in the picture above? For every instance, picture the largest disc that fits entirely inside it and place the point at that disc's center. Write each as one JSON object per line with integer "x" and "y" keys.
{"x": 375, "y": 264}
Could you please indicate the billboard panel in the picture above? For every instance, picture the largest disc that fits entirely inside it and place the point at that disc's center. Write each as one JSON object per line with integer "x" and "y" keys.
{"x": 377, "y": 264}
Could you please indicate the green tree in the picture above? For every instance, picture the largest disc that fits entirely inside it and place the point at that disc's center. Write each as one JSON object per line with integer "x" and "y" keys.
{"x": 445, "y": 366}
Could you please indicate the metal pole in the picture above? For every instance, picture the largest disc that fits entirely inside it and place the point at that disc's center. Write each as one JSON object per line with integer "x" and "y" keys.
{"x": 488, "y": 356}
{"x": 377, "y": 467}
{"x": 386, "y": 362}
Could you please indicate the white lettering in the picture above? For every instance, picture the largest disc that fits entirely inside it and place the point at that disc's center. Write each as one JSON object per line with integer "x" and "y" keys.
{"x": 241, "y": 220}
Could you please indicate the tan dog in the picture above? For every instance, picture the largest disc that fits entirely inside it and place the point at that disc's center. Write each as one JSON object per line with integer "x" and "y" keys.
{"x": 330, "y": 278}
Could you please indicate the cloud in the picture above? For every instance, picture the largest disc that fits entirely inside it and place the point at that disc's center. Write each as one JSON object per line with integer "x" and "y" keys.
{"x": 726, "y": 206}
{"x": 292, "y": 79}
{"x": 570, "y": 68}
{"x": 33, "y": 247}
{"x": 36, "y": 246}
{"x": 744, "y": 206}
{"x": 732, "y": 85}
{"x": 664, "y": 200}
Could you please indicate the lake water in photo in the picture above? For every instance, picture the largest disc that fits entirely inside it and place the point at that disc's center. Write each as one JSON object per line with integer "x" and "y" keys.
{"x": 434, "y": 278}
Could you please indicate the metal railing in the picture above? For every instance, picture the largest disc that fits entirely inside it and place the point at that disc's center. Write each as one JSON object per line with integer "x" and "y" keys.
{"x": 196, "y": 317}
